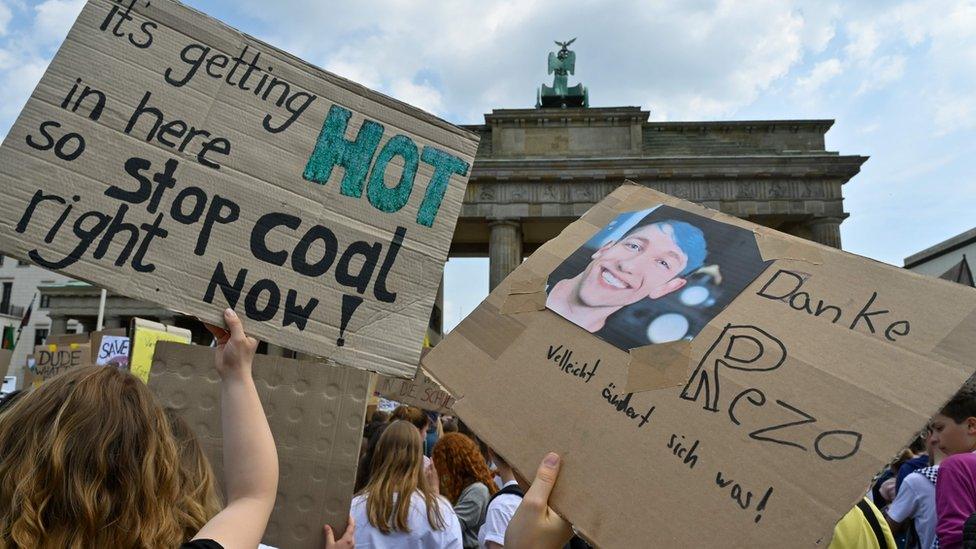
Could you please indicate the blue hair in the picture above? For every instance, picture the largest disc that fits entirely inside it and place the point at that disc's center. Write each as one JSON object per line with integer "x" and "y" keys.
{"x": 686, "y": 236}
{"x": 691, "y": 240}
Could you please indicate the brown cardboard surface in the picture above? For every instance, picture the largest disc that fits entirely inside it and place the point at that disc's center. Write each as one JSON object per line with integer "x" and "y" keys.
{"x": 659, "y": 366}
{"x": 781, "y": 421}
{"x": 316, "y": 415}
{"x": 5, "y": 356}
{"x": 53, "y": 359}
{"x": 224, "y": 195}
{"x": 421, "y": 391}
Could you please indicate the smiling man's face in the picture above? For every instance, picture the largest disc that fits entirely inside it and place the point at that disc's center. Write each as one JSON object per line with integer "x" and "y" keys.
{"x": 645, "y": 263}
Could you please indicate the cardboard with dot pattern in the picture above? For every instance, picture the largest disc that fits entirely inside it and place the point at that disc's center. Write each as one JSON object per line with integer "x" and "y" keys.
{"x": 316, "y": 413}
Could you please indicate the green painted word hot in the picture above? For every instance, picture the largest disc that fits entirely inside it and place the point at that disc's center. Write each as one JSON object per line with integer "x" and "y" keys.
{"x": 359, "y": 158}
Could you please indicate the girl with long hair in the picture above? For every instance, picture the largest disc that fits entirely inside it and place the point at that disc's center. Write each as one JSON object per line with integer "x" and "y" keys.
{"x": 90, "y": 460}
{"x": 465, "y": 481}
{"x": 400, "y": 505}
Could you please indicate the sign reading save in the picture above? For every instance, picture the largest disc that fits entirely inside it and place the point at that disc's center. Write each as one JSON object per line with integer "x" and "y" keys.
{"x": 168, "y": 157}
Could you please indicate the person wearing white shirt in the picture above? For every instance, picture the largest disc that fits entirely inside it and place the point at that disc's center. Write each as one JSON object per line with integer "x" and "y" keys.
{"x": 915, "y": 499}
{"x": 501, "y": 507}
{"x": 385, "y": 520}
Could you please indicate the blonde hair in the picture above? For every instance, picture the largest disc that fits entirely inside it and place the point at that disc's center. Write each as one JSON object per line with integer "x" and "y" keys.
{"x": 398, "y": 472}
{"x": 197, "y": 479}
{"x": 89, "y": 460}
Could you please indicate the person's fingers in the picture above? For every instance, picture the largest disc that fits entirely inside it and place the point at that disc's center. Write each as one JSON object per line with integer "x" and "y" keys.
{"x": 329, "y": 536}
{"x": 350, "y": 530}
{"x": 545, "y": 479}
{"x": 234, "y": 324}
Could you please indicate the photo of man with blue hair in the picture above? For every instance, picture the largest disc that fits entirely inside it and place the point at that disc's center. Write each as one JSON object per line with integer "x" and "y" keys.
{"x": 650, "y": 261}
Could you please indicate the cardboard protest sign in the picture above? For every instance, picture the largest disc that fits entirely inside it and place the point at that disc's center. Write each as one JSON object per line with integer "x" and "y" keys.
{"x": 113, "y": 350}
{"x": 53, "y": 359}
{"x": 421, "y": 391}
{"x": 111, "y": 347}
{"x": 208, "y": 169}
{"x": 145, "y": 335}
{"x": 5, "y": 356}
{"x": 316, "y": 414}
{"x": 756, "y": 420}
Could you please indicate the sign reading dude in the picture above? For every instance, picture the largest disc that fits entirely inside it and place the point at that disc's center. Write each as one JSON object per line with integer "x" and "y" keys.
{"x": 171, "y": 158}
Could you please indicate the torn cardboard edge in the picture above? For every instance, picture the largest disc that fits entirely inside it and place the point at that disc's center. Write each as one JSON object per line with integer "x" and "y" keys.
{"x": 659, "y": 366}
{"x": 794, "y": 249}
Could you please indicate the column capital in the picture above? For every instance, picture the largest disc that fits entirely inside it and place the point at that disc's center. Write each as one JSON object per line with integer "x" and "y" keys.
{"x": 826, "y": 230}
{"x": 511, "y": 221}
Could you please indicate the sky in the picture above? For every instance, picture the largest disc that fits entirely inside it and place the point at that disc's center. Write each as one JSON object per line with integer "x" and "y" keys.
{"x": 899, "y": 78}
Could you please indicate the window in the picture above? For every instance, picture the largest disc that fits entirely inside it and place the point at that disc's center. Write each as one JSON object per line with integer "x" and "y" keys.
{"x": 40, "y": 334}
{"x": 45, "y": 302}
{"x": 8, "y": 288}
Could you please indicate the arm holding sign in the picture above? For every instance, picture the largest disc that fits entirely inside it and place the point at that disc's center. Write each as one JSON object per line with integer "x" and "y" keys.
{"x": 534, "y": 523}
{"x": 250, "y": 457}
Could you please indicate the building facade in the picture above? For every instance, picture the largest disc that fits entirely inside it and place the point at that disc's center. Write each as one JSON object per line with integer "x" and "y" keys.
{"x": 19, "y": 287}
{"x": 949, "y": 259}
{"x": 539, "y": 169}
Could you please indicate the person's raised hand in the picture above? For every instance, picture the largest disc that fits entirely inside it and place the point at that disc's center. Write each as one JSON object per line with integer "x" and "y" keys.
{"x": 235, "y": 350}
{"x": 534, "y": 524}
{"x": 347, "y": 541}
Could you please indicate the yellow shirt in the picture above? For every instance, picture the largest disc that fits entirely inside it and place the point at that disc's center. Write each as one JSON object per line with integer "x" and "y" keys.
{"x": 855, "y": 530}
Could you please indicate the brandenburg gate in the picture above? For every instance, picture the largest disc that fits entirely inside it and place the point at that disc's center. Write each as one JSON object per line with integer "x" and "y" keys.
{"x": 538, "y": 169}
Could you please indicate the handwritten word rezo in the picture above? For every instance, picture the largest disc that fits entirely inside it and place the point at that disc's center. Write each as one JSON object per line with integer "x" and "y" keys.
{"x": 751, "y": 349}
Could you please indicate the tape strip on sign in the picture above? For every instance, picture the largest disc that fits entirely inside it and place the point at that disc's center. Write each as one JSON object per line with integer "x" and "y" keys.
{"x": 659, "y": 366}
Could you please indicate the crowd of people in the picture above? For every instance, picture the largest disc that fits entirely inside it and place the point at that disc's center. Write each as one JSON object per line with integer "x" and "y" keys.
{"x": 91, "y": 459}
{"x": 926, "y": 498}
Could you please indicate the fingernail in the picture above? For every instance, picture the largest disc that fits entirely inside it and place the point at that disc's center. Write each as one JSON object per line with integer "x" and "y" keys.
{"x": 551, "y": 459}
{"x": 228, "y": 312}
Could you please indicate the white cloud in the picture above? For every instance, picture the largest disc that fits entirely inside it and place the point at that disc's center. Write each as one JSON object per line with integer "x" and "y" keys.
{"x": 5, "y": 17}
{"x": 691, "y": 60}
{"x": 823, "y": 72}
{"x": 53, "y": 19}
{"x": 882, "y": 72}
{"x": 16, "y": 85}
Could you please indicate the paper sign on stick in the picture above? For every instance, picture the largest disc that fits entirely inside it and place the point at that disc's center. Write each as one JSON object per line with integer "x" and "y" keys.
{"x": 168, "y": 157}
{"x": 743, "y": 392}
{"x": 113, "y": 350}
{"x": 316, "y": 414}
{"x": 145, "y": 335}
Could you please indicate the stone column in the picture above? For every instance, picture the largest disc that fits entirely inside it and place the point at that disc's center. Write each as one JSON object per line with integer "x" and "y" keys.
{"x": 59, "y": 325}
{"x": 504, "y": 249}
{"x": 111, "y": 321}
{"x": 825, "y": 230}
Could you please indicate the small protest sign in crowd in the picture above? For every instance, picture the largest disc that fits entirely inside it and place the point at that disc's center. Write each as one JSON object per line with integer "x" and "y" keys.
{"x": 813, "y": 398}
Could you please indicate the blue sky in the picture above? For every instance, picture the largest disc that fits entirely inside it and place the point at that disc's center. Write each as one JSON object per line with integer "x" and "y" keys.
{"x": 898, "y": 77}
